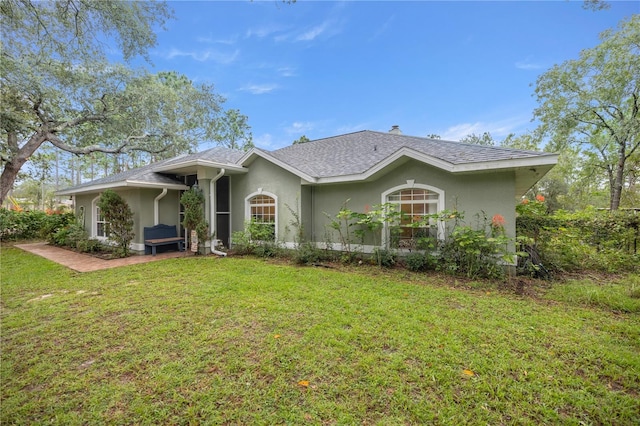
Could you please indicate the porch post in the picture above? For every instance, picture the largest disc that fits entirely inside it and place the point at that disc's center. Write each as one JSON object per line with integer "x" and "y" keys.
{"x": 204, "y": 186}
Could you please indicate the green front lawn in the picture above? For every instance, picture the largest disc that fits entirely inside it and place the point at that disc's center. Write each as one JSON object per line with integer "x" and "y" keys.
{"x": 243, "y": 341}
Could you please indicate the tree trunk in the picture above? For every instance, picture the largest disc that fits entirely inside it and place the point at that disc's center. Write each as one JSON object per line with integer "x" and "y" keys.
{"x": 21, "y": 156}
{"x": 616, "y": 190}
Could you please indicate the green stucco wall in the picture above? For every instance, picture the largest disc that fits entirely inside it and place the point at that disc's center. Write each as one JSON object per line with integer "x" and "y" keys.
{"x": 141, "y": 202}
{"x": 306, "y": 211}
{"x": 469, "y": 193}
{"x": 472, "y": 193}
{"x": 272, "y": 179}
{"x": 83, "y": 210}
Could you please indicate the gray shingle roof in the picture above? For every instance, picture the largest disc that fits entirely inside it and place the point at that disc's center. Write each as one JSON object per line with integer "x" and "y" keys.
{"x": 139, "y": 174}
{"x": 358, "y": 152}
{"x": 217, "y": 154}
{"x": 147, "y": 174}
{"x": 336, "y": 156}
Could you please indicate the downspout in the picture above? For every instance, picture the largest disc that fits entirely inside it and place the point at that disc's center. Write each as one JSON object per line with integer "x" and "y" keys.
{"x": 94, "y": 231}
{"x": 156, "y": 210}
{"x": 212, "y": 219}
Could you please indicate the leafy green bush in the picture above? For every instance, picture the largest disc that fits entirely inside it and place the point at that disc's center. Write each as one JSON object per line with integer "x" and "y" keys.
{"x": 477, "y": 253}
{"x": 416, "y": 262}
{"x": 586, "y": 240}
{"x": 256, "y": 238}
{"x": 194, "y": 220}
{"x": 241, "y": 242}
{"x": 384, "y": 258}
{"x": 69, "y": 236}
{"x": 120, "y": 218}
{"x": 24, "y": 225}
{"x": 75, "y": 237}
{"x": 91, "y": 245}
{"x": 421, "y": 261}
{"x": 308, "y": 254}
{"x": 468, "y": 252}
{"x": 16, "y": 225}
{"x": 261, "y": 232}
{"x": 54, "y": 221}
{"x": 267, "y": 249}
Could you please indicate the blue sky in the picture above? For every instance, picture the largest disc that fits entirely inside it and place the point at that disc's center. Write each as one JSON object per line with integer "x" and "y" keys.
{"x": 325, "y": 68}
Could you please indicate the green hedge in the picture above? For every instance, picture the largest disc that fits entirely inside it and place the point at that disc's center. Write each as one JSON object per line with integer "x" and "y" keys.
{"x": 27, "y": 225}
{"x": 586, "y": 240}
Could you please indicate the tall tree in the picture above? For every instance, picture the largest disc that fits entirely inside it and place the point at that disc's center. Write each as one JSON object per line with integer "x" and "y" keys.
{"x": 57, "y": 85}
{"x": 484, "y": 139}
{"x": 234, "y": 131}
{"x": 595, "y": 5}
{"x": 301, "y": 139}
{"x": 527, "y": 141}
{"x": 594, "y": 103}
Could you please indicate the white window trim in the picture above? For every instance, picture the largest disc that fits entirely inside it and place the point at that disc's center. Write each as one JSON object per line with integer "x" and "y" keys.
{"x": 412, "y": 185}
{"x": 247, "y": 207}
{"x": 94, "y": 219}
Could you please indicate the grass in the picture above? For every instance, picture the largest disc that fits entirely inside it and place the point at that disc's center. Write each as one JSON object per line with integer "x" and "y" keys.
{"x": 244, "y": 341}
{"x": 621, "y": 295}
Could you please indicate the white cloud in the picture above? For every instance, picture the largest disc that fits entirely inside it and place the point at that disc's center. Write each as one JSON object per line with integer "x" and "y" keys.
{"x": 269, "y": 142}
{"x": 259, "y": 89}
{"x": 459, "y": 131}
{"x": 205, "y": 55}
{"x": 264, "y": 141}
{"x": 262, "y": 32}
{"x": 231, "y": 40}
{"x": 528, "y": 64}
{"x": 282, "y": 37}
{"x": 300, "y": 127}
{"x": 209, "y": 39}
{"x": 287, "y": 71}
{"x": 499, "y": 129}
{"x": 313, "y": 33}
{"x": 327, "y": 29}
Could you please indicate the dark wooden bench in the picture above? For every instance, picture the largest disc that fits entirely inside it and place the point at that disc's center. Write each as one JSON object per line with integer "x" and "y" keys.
{"x": 161, "y": 235}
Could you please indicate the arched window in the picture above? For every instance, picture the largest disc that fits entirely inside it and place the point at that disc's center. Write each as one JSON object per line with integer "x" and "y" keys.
{"x": 261, "y": 211}
{"x": 416, "y": 204}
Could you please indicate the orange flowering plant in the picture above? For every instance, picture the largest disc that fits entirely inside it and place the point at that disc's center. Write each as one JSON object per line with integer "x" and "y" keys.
{"x": 532, "y": 207}
{"x": 480, "y": 251}
{"x": 498, "y": 221}
{"x": 497, "y": 225}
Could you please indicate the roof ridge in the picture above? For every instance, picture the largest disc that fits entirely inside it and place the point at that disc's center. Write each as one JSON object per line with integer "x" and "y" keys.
{"x": 313, "y": 141}
{"x": 402, "y": 135}
{"x": 337, "y": 136}
{"x": 460, "y": 142}
{"x": 498, "y": 147}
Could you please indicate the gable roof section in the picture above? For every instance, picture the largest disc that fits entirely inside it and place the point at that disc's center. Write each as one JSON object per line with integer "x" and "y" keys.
{"x": 218, "y": 157}
{"x": 358, "y": 156}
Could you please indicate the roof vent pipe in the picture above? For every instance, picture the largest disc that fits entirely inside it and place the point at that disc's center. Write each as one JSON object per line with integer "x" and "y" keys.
{"x": 395, "y": 129}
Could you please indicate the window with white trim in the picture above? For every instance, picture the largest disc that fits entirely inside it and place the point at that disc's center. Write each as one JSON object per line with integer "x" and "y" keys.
{"x": 102, "y": 226}
{"x": 416, "y": 226}
{"x": 262, "y": 213}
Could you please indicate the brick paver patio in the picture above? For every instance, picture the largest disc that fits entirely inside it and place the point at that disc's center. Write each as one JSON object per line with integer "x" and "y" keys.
{"x": 85, "y": 263}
